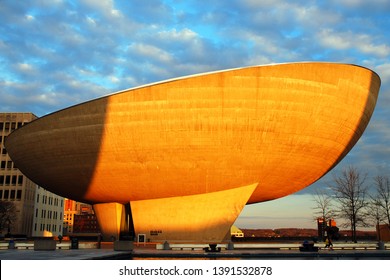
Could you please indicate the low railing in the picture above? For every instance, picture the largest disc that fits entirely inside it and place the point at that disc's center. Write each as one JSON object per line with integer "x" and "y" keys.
{"x": 60, "y": 246}
{"x": 274, "y": 246}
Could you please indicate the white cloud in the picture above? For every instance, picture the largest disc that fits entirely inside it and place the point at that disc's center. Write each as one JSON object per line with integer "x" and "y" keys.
{"x": 29, "y": 17}
{"x": 91, "y": 21}
{"x": 350, "y": 40}
{"x": 359, "y": 3}
{"x": 114, "y": 79}
{"x": 185, "y": 34}
{"x": 105, "y": 7}
{"x": 333, "y": 40}
{"x": 25, "y": 67}
{"x": 150, "y": 52}
{"x": 384, "y": 72}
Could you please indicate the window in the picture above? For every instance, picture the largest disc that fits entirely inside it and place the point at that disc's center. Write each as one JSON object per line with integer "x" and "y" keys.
{"x": 20, "y": 180}
{"x": 36, "y": 213}
{"x": 2, "y": 166}
{"x": 12, "y": 194}
{"x": 19, "y": 194}
{"x": 35, "y": 227}
{"x": 14, "y": 179}
{"x": 1, "y": 194}
{"x": 7, "y": 180}
{"x": 6, "y": 194}
{"x": 9, "y": 165}
{"x": 1, "y": 179}
{"x": 37, "y": 198}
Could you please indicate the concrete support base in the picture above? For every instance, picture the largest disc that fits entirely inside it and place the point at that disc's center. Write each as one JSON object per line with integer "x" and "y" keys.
{"x": 45, "y": 245}
{"x": 123, "y": 245}
{"x": 203, "y": 218}
{"x": 109, "y": 216}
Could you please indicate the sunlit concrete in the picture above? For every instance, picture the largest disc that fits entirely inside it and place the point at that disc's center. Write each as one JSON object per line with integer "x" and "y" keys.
{"x": 282, "y": 126}
{"x": 203, "y": 217}
{"x": 111, "y": 214}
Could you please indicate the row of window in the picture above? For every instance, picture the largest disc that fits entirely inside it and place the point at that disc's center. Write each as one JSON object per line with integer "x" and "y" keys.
{"x": 50, "y": 214}
{"x": 68, "y": 217}
{"x": 13, "y": 180}
{"x": 47, "y": 227}
{"x": 11, "y": 194}
{"x": 50, "y": 200}
{"x": 10, "y": 125}
{"x": 7, "y": 164}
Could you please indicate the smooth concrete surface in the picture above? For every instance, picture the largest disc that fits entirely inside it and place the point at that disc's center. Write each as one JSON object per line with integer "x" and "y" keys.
{"x": 45, "y": 245}
{"x": 111, "y": 214}
{"x": 122, "y": 245}
{"x": 78, "y": 254}
{"x": 151, "y": 253}
{"x": 192, "y": 218}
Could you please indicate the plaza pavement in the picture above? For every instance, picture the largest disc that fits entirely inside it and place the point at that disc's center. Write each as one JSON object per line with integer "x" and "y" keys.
{"x": 147, "y": 252}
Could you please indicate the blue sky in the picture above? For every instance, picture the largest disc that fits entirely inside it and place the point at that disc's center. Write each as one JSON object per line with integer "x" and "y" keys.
{"x": 57, "y": 53}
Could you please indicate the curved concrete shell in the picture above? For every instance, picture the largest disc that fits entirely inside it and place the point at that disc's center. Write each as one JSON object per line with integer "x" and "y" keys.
{"x": 280, "y": 127}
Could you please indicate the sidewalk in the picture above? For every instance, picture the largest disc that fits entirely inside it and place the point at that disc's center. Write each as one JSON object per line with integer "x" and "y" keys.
{"x": 140, "y": 253}
{"x": 79, "y": 254}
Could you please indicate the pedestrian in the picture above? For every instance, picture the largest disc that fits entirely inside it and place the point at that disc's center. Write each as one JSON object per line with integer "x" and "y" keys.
{"x": 328, "y": 243}
{"x": 99, "y": 240}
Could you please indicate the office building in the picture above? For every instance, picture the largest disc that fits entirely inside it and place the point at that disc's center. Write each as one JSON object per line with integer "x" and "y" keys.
{"x": 35, "y": 214}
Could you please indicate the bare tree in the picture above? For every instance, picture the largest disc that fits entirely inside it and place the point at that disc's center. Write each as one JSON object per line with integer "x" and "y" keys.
{"x": 323, "y": 205}
{"x": 373, "y": 213}
{"x": 323, "y": 208}
{"x": 382, "y": 198}
{"x": 7, "y": 215}
{"x": 350, "y": 193}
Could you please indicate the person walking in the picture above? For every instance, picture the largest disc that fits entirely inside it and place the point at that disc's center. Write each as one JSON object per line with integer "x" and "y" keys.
{"x": 328, "y": 243}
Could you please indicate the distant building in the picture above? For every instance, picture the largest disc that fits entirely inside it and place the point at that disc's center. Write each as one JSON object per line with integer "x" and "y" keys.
{"x": 383, "y": 232}
{"x": 85, "y": 223}
{"x": 327, "y": 227}
{"x": 25, "y": 194}
{"x": 79, "y": 218}
{"x": 48, "y": 213}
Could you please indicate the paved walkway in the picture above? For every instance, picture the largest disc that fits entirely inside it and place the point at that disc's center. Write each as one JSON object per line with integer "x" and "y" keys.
{"x": 150, "y": 253}
{"x": 79, "y": 254}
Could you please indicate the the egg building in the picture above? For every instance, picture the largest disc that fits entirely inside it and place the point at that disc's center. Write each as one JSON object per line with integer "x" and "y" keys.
{"x": 179, "y": 159}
